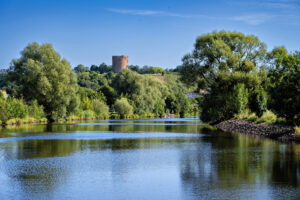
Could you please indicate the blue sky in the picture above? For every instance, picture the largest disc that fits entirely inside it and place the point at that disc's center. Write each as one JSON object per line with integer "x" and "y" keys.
{"x": 150, "y": 32}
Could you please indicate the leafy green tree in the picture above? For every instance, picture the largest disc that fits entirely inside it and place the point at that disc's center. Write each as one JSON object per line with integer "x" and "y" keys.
{"x": 3, "y": 79}
{"x": 93, "y": 79}
{"x": 123, "y": 108}
{"x": 221, "y": 51}
{"x": 258, "y": 101}
{"x": 81, "y": 68}
{"x": 16, "y": 108}
{"x": 3, "y": 110}
{"x": 41, "y": 74}
{"x": 143, "y": 91}
{"x": 135, "y": 68}
{"x": 100, "y": 108}
{"x": 183, "y": 104}
{"x": 228, "y": 95}
{"x": 239, "y": 98}
{"x": 110, "y": 94}
{"x": 171, "y": 104}
{"x": 284, "y": 74}
{"x": 35, "y": 110}
{"x": 102, "y": 68}
{"x": 229, "y": 65}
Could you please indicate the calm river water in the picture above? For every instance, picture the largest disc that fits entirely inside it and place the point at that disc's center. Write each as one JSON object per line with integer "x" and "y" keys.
{"x": 144, "y": 159}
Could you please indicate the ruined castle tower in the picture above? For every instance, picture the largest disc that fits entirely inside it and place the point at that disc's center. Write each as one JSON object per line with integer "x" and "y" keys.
{"x": 119, "y": 63}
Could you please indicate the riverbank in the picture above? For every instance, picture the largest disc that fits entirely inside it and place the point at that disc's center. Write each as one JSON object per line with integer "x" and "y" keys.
{"x": 273, "y": 131}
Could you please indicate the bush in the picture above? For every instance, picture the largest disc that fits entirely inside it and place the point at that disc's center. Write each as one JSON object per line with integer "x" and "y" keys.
{"x": 228, "y": 96}
{"x": 100, "y": 108}
{"x": 239, "y": 98}
{"x": 16, "y": 108}
{"x": 246, "y": 115}
{"x": 267, "y": 117}
{"x": 159, "y": 110}
{"x": 258, "y": 101}
{"x": 36, "y": 111}
{"x": 284, "y": 91}
{"x": 123, "y": 108}
{"x": 88, "y": 114}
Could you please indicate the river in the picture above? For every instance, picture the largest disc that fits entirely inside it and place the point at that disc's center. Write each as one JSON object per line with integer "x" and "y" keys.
{"x": 144, "y": 159}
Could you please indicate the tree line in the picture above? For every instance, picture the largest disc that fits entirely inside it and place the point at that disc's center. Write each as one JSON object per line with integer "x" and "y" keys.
{"x": 243, "y": 79}
{"x": 41, "y": 85}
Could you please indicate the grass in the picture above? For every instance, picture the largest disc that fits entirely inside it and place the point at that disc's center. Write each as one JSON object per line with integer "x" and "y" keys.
{"x": 268, "y": 117}
{"x": 246, "y": 115}
{"x": 297, "y": 131}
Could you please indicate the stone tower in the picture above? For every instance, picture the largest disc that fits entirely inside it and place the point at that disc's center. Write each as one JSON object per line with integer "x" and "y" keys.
{"x": 119, "y": 63}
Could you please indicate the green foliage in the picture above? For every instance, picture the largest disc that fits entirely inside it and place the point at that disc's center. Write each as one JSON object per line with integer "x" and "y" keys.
{"x": 102, "y": 68}
{"x": 93, "y": 79}
{"x": 258, "y": 101}
{"x": 171, "y": 104}
{"x": 3, "y": 110}
{"x": 183, "y": 104}
{"x": 239, "y": 98}
{"x": 123, "y": 108}
{"x": 3, "y": 79}
{"x": 91, "y": 94}
{"x": 246, "y": 115}
{"x": 159, "y": 110}
{"x": 100, "y": 109}
{"x": 284, "y": 74}
{"x": 16, "y": 108}
{"x": 268, "y": 117}
{"x": 41, "y": 74}
{"x": 221, "y": 51}
{"x": 228, "y": 95}
{"x": 147, "y": 69}
{"x": 81, "y": 68}
{"x": 144, "y": 92}
{"x": 88, "y": 114}
{"x": 35, "y": 110}
{"x": 110, "y": 94}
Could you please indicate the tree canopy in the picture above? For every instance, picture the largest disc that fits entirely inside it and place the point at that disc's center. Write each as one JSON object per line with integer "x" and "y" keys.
{"x": 221, "y": 51}
{"x": 41, "y": 74}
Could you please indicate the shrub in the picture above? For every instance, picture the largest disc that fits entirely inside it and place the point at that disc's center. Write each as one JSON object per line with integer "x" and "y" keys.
{"x": 35, "y": 110}
{"x": 100, "y": 108}
{"x": 267, "y": 117}
{"x": 258, "y": 101}
{"x": 16, "y": 108}
{"x": 239, "y": 98}
{"x": 123, "y": 108}
{"x": 87, "y": 114}
{"x": 246, "y": 115}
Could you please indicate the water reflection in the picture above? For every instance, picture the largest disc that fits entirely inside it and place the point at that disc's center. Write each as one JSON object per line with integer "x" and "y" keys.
{"x": 135, "y": 160}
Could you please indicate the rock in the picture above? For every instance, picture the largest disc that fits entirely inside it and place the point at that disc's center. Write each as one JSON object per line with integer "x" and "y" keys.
{"x": 273, "y": 131}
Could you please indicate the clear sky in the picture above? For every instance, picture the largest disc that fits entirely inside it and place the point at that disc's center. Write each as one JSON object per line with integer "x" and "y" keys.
{"x": 150, "y": 32}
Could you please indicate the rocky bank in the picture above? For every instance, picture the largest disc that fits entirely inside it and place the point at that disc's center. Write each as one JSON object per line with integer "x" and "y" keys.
{"x": 273, "y": 131}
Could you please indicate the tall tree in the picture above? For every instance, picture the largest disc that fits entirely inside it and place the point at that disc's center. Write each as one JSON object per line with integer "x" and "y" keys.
{"x": 41, "y": 74}
{"x": 221, "y": 51}
{"x": 284, "y": 73}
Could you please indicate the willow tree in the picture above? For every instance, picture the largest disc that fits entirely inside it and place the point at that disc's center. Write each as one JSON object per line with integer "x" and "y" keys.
{"x": 40, "y": 74}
